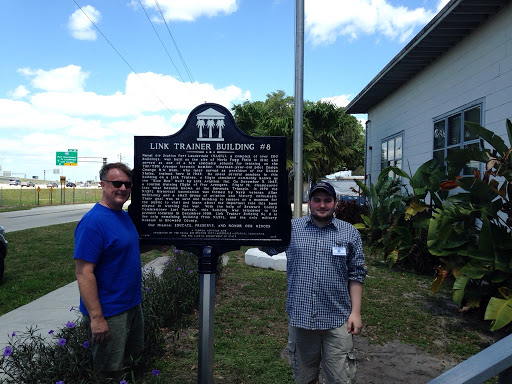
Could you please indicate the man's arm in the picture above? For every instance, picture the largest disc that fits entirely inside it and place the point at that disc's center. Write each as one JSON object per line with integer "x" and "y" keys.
{"x": 88, "y": 288}
{"x": 354, "y": 323}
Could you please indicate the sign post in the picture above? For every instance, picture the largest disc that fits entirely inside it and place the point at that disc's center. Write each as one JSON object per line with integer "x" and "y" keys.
{"x": 210, "y": 188}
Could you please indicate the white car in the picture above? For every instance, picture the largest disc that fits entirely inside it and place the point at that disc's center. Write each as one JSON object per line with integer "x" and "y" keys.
{"x": 27, "y": 184}
{"x": 14, "y": 182}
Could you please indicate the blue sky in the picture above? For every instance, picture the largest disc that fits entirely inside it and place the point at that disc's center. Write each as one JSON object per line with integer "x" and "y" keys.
{"x": 66, "y": 85}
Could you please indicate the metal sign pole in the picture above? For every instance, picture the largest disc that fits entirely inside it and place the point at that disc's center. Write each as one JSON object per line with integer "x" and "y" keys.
{"x": 207, "y": 270}
{"x": 298, "y": 116}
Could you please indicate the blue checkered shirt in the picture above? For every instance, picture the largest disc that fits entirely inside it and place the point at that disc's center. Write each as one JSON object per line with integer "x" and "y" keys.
{"x": 318, "y": 295}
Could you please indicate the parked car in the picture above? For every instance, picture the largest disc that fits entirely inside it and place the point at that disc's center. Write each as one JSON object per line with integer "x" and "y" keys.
{"x": 3, "y": 251}
{"x": 52, "y": 185}
{"x": 14, "y": 182}
{"x": 70, "y": 184}
{"x": 27, "y": 184}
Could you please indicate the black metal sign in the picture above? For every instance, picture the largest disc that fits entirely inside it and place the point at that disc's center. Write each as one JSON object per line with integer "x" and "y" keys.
{"x": 211, "y": 184}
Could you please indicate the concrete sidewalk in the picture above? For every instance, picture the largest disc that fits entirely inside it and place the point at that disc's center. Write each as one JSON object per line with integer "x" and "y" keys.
{"x": 51, "y": 311}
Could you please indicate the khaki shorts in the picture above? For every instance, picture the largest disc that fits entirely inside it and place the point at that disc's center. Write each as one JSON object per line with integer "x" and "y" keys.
{"x": 126, "y": 338}
{"x": 331, "y": 349}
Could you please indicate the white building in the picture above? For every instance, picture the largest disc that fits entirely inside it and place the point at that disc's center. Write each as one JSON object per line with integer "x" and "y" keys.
{"x": 459, "y": 67}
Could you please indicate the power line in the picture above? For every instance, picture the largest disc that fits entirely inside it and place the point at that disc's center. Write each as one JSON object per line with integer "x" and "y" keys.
{"x": 121, "y": 56}
{"x": 163, "y": 45}
{"x": 175, "y": 45}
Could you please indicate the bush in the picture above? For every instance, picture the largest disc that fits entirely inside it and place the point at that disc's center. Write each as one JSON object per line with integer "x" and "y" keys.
{"x": 351, "y": 211}
{"x": 167, "y": 301}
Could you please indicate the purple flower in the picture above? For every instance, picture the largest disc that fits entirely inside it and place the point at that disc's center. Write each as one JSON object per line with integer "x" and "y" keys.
{"x": 71, "y": 308}
{"x": 155, "y": 372}
{"x": 123, "y": 382}
{"x": 59, "y": 382}
{"x": 86, "y": 344}
{"x": 191, "y": 271}
{"x": 62, "y": 342}
{"x": 70, "y": 324}
{"x": 147, "y": 289}
{"x": 7, "y": 351}
{"x": 175, "y": 251}
{"x": 179, "y": 269}
{"x": 51, "y": 331}
{"x": 13, "y": 334}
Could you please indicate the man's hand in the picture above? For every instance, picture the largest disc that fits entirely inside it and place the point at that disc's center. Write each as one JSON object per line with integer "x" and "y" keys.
{"x": 354, "y": 324}
{"x": 99, "y": 329}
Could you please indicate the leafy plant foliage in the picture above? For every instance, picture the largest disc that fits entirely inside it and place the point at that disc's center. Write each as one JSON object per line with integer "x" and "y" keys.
{"x": 332, "y": 139}
{"x": 466, "y": 236}
{"x": 64, "y": 356}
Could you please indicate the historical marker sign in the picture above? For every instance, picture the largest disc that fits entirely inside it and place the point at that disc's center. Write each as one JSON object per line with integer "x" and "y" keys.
{"x": 211, "y": 184}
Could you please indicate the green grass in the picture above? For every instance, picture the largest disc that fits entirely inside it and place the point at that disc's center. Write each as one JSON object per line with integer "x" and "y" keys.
{"x": 40, "y": 260}
{"x": 30, "y": 197}
{"x": 251, "y": 326}
{"x": 250, "y": 321}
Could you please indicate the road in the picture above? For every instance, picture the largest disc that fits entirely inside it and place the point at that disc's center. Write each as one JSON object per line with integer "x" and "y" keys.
{"x": 44, "y": 216}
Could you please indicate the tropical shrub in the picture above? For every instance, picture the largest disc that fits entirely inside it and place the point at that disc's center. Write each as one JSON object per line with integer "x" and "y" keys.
{"x": 471, "y": 231}
{"x": 350, "y": 211}
{"x": 398, "y": 222}
{"x": 386, "y": 207}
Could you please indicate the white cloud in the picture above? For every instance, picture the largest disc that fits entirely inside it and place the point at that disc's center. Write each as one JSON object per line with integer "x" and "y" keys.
{"x": 190, "y": 10}
{"x": 441, "y": 4}
{"x": 20, "y": 115}
{"x": 62, "y": 115}
{"x": 326, "y": 20}
{"x": 338, "y": 101}
{"x": 81, "y": 26}
{"x": 65, "y": 79}
{"x": 19, "y": 93}
{"x": 145, "y": 93}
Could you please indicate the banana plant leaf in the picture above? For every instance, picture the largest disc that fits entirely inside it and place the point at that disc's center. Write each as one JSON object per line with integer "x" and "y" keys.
{"x": 414, "y": 209}
{"x": 364, "y": 188}
{"x": 509, "y": 130}
{"x": 499, "y": 311}
{"x": 457, "y": 160}
{"x": 459, "y": 287}
{"x": 489, "y": 136}
{"x": 475, "y": 271}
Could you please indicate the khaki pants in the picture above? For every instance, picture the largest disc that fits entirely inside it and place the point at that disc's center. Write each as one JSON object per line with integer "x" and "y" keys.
{"x": 126, "y": 338}
{"x": 331, "y": 349}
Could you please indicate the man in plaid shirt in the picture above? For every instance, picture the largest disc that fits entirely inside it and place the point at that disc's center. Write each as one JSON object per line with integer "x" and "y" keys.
{"x": 326, "y": 271}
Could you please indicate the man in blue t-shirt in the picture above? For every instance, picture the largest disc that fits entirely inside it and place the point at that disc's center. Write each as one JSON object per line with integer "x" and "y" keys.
{"x": 109, "y": 275}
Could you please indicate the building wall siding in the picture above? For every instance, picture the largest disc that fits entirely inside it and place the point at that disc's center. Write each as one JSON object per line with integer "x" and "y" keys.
{"x": 479, "y": 67}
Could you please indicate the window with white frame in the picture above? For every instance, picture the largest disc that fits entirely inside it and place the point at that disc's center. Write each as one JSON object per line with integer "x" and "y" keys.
{"x": 391, "y": 152}
{"x": 450, "y": 134}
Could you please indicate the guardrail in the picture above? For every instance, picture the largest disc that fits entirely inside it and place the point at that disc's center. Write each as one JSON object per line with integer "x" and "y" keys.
{"x": 494, "y": 360}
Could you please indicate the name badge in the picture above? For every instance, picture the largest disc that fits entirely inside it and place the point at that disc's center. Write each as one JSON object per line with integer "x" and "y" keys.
{"x": 339, "y": 251}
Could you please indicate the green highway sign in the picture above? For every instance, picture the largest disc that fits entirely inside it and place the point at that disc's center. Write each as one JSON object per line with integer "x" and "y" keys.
{"x": 67, "y": 158}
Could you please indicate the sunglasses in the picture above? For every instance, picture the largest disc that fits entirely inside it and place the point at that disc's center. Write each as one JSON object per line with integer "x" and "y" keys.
{"x": 118, "y": 184}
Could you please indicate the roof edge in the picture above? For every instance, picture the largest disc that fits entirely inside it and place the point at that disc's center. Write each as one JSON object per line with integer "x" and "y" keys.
{"x": 439, "y": 17}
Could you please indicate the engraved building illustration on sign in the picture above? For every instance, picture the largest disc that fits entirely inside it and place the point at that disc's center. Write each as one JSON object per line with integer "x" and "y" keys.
{"x": 214, "y": 121}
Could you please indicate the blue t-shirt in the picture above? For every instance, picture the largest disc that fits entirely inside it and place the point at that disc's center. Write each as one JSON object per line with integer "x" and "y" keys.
{"x": 109, "y": 239}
